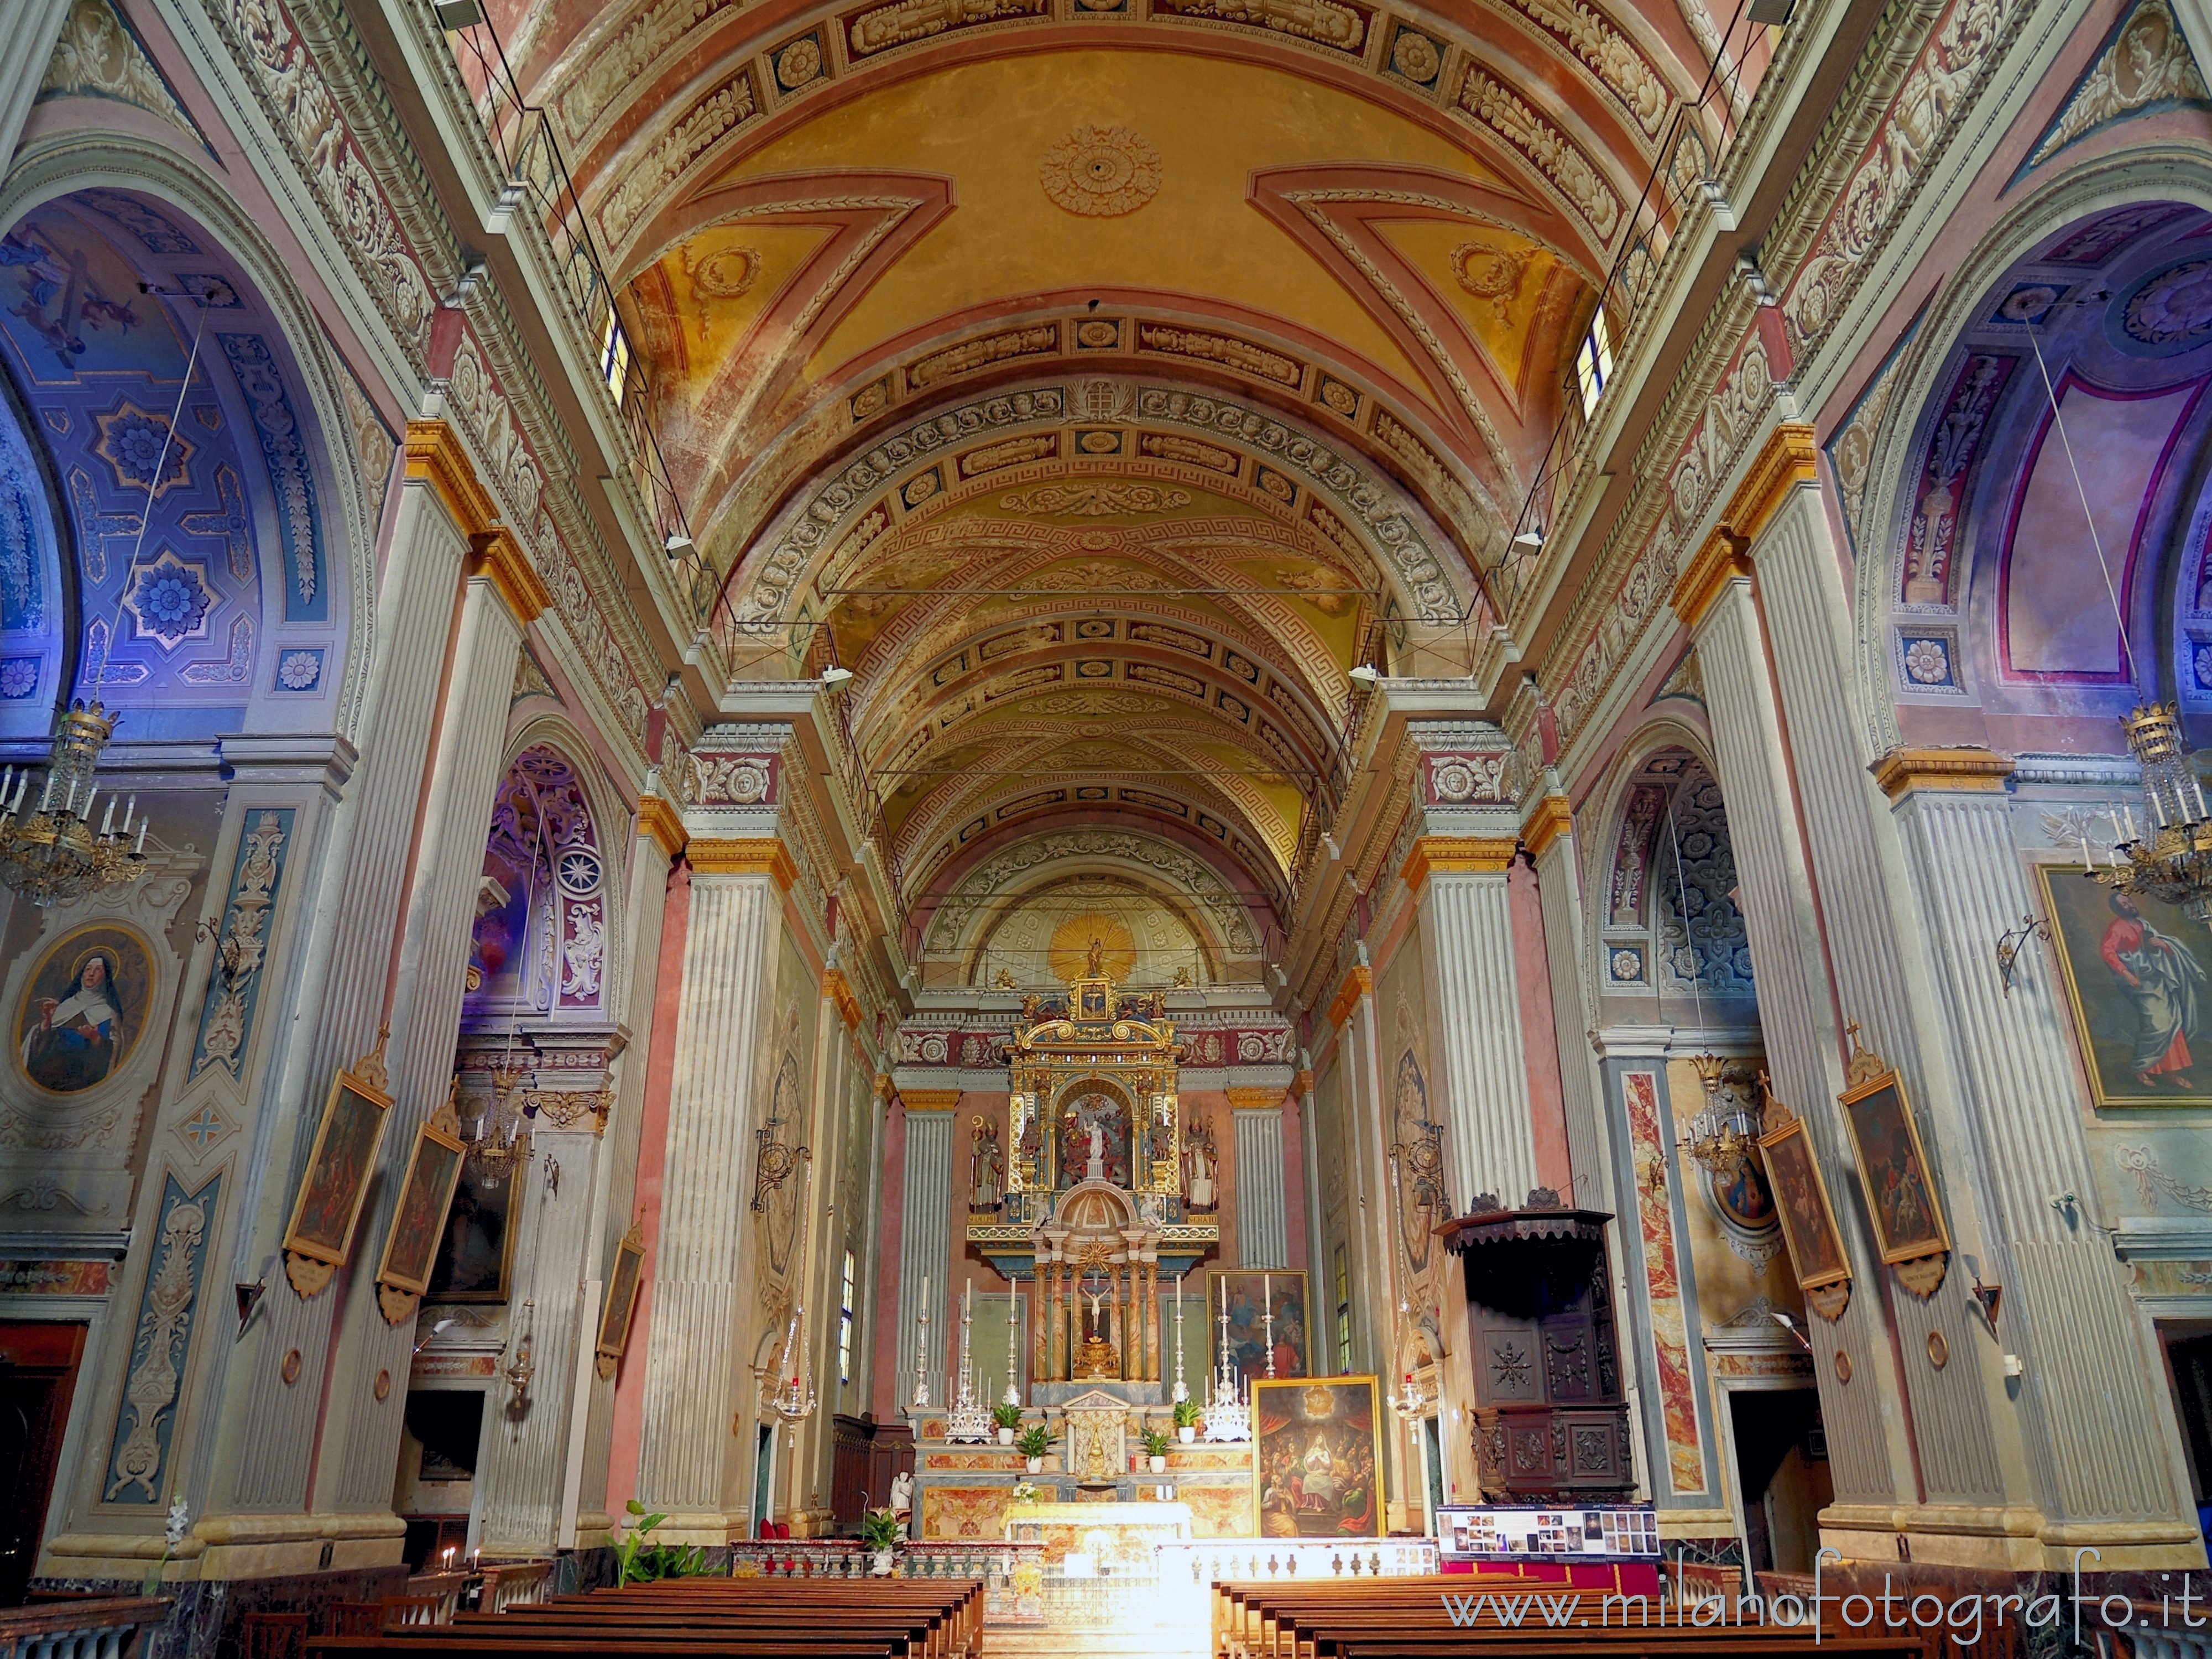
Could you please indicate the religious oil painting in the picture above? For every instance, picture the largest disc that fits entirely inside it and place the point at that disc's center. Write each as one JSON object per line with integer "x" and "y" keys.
{"x": 338, "y": 1171}
{"x": 1891, "y": 1162}
{"x": 1247, "y": 1296}
{"x": 478, "y": 1250}
{"x": 1801, "y": 1201}
{"x": 2138, "y": 977}
{"x": 622, "y": 1300}
{"x": 433, "y": 1171}
{"x": 84, "y": 1008}
{"x": 1318, "y": 1447}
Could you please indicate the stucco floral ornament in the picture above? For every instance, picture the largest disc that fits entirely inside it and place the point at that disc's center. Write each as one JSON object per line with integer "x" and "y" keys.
{"x": 1101, "y": 173}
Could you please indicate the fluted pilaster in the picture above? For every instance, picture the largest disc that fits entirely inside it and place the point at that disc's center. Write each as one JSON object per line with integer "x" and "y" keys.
{"x": 1866, "y": 904}
{"x": 356, "y": 1472}
{"x": 1868, "y": 1456}
{"x": 695, "y": 1451}
{"x": 614, "y": 1184}
{"x": 2095, "y": 1433}
{"x": 925, "y": 1244}
{"x": 1263, "y": 1238}
{"x": 362, "y": 890}
{"x": 1467, "y": 941}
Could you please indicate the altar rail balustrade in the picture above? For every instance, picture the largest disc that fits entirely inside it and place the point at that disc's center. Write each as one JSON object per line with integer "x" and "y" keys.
{"x": 88, "y": 1627}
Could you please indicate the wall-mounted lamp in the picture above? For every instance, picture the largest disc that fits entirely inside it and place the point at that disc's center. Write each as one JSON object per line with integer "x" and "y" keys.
{"x": 524, "y": 1365}
{"x": 1988, "y": 1295}
{"x": 1533, "y": 536}
{"x": 677, "y": 545}
{"x": 1365, "y": 674}
{"x": 835, "y": 680}
{"x": 1790, "y": 1326}
{"x": 249, "y": 1298}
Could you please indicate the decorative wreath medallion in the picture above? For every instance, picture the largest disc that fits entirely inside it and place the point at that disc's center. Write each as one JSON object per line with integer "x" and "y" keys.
{"x": 1101, "y": 173}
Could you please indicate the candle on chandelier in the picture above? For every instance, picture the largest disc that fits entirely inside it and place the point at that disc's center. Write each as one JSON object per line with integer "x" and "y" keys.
{"x": 84, "y": 812}
{"x": 141, "y": 847}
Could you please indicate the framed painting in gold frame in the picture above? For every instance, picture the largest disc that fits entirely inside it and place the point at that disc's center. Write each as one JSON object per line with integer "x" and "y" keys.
{"x": 622, "y": 1285}
{"x": 1246, "y": 1294}
{"x": 1317, "y": 1458}
{"x": 1801, "y": 1201}
{"x": 410, "y": 1249}
{"x": 1908, "y": 1222}
{"x": 2138, "y": 977}
{"x": 319, "y": 1237}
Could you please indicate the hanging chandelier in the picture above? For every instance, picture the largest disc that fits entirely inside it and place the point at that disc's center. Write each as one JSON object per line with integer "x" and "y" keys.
{"x": 1720, "y": 1137}
{"x": 792, "y": 1396}
{"x": 52, "y": 853}
{"x": 2169, "y": 857}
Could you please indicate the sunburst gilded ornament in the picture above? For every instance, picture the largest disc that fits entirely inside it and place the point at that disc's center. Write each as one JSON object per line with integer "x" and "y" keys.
{"x": 1101, "y": 173}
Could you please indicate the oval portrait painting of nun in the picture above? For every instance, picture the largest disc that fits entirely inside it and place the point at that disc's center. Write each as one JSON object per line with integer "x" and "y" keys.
{"x": 83, "y": 1009}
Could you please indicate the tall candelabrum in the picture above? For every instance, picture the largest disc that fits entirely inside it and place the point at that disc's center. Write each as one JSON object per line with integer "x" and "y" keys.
{"x": 1228, "y": 1414}
{"x": 969, "y": 1419}
{"x": 1013, "y": 1395}
{"x": 920, "y": 1401}
{"x": 1182, "y": 1388}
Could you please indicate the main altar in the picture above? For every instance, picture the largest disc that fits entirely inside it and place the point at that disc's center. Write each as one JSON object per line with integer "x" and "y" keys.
{"x": 1103, "y": 1198}
{"x": 1107, "y": 1201}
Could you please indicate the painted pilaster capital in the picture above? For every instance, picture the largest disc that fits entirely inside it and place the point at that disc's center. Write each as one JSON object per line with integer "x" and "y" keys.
{"x": 659, "y": 819}
{"x": 1724, "y": 558}
{"x": 757, "y": 855}
{"x": 1904, "y": 771}
{"x": 1255, "y": 1100}
{"x": 1457, "y": 855}
{"x": 436, "y": 458}
{"x": 499, "y": 558}
{"x": 1548, "y": 818}
{"x": 1357, "y": 984}
{"x": 929, "y": 1100}
{"x": 1303, "y": 1083}
{"x": 839, "y": 991}
{"x": 1784, "y": 462}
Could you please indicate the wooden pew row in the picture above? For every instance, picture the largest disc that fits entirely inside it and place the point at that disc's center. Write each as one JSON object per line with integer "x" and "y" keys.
{"x": 1280, "y": 1621}
{"x": 953, "y": 1608}
{"x": 927, "y": 1632}
{"x": 703, "y": 1619}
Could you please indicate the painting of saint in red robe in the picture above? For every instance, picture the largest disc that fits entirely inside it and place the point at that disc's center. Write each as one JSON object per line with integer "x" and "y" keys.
{"x": 2138, "y": 974}
{"x": 77, "y": 1022}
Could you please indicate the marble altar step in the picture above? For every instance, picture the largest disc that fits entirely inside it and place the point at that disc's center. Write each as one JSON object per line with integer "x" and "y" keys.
{"x": 1093, "y": 1645}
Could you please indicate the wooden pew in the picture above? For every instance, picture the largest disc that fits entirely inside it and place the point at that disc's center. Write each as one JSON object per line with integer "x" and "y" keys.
{"x": 705, "y": 1619}
{"x": 1309, "y": 1621}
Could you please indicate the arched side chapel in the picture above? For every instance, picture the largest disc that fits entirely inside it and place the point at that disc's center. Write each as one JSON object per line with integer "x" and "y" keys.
{"x": 1247, "y": 729}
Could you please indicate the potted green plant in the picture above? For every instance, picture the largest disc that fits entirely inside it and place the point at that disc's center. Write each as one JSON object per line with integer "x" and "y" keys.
{"x": 638, "y": 1560}
{"x": 1008, "y": 1418}
{"x": 1186, "y": 1420}
{"x": 879, "y": 1531}
{"x": 1156, "y": 1451}
{"x": 1036, "y": 1440}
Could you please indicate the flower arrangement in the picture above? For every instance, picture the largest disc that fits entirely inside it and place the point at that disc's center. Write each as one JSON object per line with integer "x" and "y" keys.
{"x": 1026, "y": 1492}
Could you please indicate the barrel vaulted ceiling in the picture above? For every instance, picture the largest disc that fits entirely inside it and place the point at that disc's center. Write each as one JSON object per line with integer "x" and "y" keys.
{"x": 1099, "y": 380}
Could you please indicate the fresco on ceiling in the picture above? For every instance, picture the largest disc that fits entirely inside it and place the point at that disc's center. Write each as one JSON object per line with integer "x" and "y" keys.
{"x": 180, "y": 531}
{"x": 2012, "y": 528}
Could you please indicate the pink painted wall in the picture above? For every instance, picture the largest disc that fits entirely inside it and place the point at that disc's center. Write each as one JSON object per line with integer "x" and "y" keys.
{"x": 1547, "y": 1108}
{"x": 883, "y": 1368}
{"x": 628, "y": 1429}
